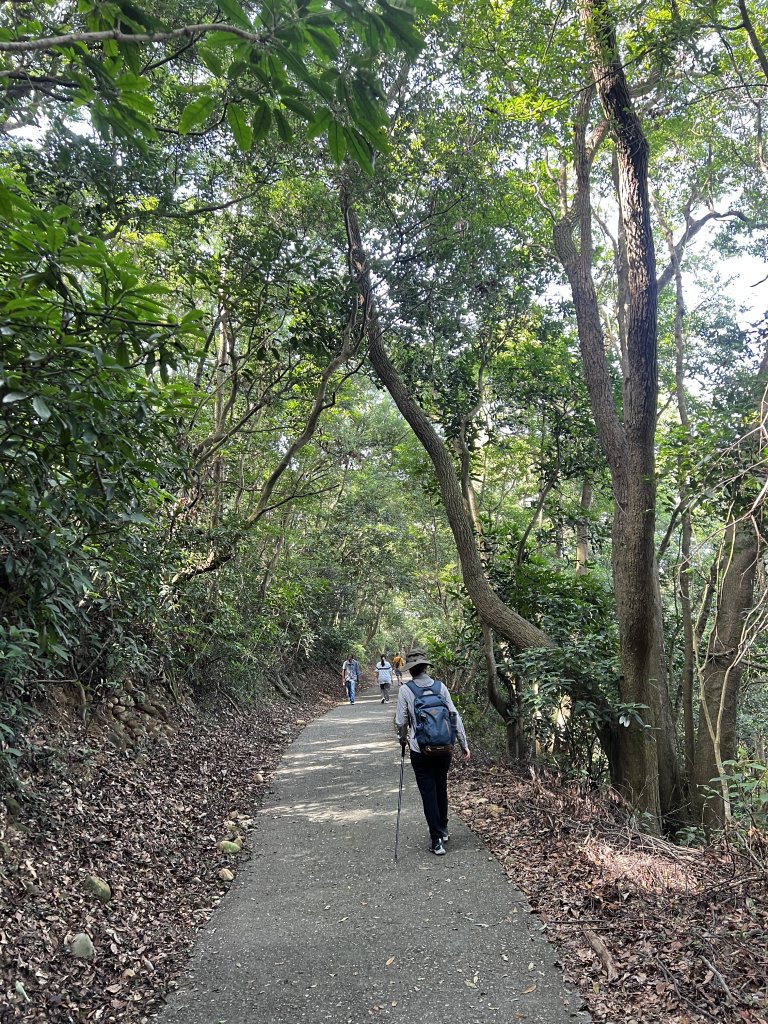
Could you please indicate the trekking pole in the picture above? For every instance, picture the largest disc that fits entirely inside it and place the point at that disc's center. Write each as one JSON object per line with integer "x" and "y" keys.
{"x": 399, "y": 799}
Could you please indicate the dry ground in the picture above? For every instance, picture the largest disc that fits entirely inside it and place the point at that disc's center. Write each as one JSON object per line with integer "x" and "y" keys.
{"x": 648, "y": 932}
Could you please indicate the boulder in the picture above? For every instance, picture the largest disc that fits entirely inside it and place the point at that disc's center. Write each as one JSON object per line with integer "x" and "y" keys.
{"x": 82, "y": 947}
{"x": 97, "y": 887}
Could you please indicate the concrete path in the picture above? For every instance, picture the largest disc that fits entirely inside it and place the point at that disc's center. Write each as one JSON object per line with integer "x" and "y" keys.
{"x": 320, "y": 925}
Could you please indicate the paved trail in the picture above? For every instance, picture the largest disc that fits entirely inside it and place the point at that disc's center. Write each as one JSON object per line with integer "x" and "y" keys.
{"x": 320, "y": 925}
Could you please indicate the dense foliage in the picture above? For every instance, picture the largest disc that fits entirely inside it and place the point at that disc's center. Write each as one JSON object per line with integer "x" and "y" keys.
{"x": 202, "y": 479}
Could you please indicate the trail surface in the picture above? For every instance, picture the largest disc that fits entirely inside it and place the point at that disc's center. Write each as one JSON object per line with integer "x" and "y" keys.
{"x": 320, "y": 925}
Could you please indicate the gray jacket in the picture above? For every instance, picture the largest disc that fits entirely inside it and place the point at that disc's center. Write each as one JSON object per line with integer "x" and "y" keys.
{"x": 404, "y": 715}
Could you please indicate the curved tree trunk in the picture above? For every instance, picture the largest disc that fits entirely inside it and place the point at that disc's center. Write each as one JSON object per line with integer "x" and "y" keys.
{"x": 503, "y": 620}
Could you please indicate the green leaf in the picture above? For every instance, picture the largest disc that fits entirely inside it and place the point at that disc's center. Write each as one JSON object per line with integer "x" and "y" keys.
{"x": 262, "y": 121}
{"x": 364, "y": 108}
{"x": 41, "y": 408}
{"x": 6, "y": 202}
{"x": 122, "y": 355}
{"x": 359, "y": 150}
{"x": 14, "y": 396}
{"x": 336, "y": 141}
{"x": 324, "y": 41}
{"x": 284, "y": 129}
{"x": 219, "y": 39}
{"x": 235, "y": 13}
{"x": 196, "y": 113}
{"x": 319, "y": 123}
{"x": 241, "y": 130}
{"x": 211, "y": 59}
{"x": 401, "y": 26}
{"x": 297, "y": 106}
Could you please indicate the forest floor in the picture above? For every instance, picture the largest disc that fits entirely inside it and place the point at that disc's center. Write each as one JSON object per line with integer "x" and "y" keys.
{"x": 647, "y": 931}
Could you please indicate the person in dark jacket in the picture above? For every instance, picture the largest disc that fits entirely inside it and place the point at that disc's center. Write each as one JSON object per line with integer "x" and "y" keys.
{"x": 431, "y": 770}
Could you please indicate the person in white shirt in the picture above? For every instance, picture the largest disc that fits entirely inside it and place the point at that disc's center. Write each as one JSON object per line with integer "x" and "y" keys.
{"x": 384, "y": 673}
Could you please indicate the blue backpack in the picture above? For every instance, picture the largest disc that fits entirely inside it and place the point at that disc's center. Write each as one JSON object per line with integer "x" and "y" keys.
{"x": 433, "y": 726}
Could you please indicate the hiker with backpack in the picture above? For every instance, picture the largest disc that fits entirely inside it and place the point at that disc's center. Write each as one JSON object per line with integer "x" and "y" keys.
{"x": 384, "y": 675}
{"x": 397, "y": 664}
{"x": 427, "y": 720}
{"x": 350, "y": 676}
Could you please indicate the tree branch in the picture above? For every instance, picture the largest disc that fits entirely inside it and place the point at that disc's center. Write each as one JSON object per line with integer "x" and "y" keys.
{"x": 135, "y": 38}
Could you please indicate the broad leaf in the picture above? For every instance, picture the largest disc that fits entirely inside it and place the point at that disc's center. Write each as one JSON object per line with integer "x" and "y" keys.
{"x": 196, "y": 113}
{"x": 337, "y": 144}
{"x": 241, "y": 130}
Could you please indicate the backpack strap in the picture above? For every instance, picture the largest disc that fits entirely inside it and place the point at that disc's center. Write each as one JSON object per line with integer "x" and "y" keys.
{"x": 435, "y": 686}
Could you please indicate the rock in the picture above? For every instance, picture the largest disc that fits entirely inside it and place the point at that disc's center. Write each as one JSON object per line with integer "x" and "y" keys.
{"x": 300, "y": 721}
{"x": 13, "y": 807}
{"x": 226, "y": 875}
{"x": 82, "y": 947}
{"x": 258, "y": 778}
{"x": 97, "y": 887}
{"x": 226, "y": 847}
{"x": 116, "y": 737}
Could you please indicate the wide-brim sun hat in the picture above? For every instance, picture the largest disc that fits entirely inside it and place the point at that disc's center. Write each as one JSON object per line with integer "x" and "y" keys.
{"x": 414, "y": 658}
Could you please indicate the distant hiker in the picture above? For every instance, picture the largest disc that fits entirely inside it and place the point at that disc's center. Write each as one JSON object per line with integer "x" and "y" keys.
{"x": 350, "y": 676}
{"x": 397, "y": 664}
{"x": 427, "y": 719}
{"x": 384, "y": 673}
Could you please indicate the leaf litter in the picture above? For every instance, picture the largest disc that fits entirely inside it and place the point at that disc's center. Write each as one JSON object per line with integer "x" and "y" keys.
{"x": 145, "y": 821}
{"x": 681, "y": 933}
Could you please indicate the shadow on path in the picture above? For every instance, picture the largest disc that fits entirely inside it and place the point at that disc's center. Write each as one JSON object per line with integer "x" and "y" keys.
{"x": 320, "y": 925}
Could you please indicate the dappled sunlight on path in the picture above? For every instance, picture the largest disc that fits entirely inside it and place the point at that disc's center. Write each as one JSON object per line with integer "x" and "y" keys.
{"x": 321, "y": 925}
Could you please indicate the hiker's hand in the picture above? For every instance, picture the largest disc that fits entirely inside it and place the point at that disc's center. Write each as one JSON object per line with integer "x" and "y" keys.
{"x": 465, "y": 755}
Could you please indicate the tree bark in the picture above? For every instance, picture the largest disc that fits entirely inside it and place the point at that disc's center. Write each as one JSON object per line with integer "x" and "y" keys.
{"x": 720, "y": 675}
{"x": 582, "y": 534}
{"x": 503, "y": 620}
{"x": 647, "y": 769}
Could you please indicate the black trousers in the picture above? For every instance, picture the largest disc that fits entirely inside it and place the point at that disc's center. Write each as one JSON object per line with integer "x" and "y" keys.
{"x": 432, "y": 779}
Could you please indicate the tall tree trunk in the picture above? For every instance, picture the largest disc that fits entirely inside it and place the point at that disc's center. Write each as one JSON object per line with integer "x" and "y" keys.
{"x": 646, "y": 762}
{"x": 222, "y": 373}
{"x": 720, "y": 675}
{"x": 582, "y": 534}
{"x": 501, "y": 704}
